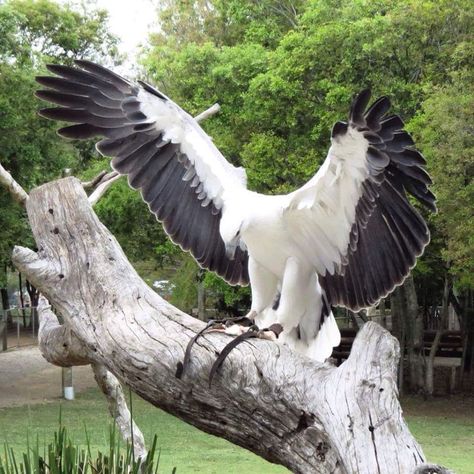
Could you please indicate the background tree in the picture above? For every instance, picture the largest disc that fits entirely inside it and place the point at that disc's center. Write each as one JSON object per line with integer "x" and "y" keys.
{"x": 283, "y": 73}
{"x": 283, "y": 81}
{"x": 31, "y": 34}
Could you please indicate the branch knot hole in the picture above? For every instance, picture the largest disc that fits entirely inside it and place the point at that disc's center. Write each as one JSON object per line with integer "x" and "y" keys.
{"x": 321, "y": 449}
{"x": 305, "y": 421}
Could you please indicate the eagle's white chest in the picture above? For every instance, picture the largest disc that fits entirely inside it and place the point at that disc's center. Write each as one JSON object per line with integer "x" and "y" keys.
{"x": 267, "y": 238}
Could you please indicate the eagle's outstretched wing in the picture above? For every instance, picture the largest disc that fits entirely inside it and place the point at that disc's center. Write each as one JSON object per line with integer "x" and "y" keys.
{"x": 353, "y": 219}
{"x": 163, "y": 151}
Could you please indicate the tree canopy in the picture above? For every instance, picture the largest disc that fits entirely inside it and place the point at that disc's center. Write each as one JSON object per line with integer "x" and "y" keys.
{"x": 31, "y": 34}
{"x": 284, "y": 72}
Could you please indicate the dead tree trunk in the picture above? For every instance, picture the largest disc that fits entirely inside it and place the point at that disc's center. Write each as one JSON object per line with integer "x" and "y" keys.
{"x": 307, "y": 416}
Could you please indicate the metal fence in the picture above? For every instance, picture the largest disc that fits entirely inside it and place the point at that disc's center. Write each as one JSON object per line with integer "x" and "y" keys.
{"x": 18, "y": 327}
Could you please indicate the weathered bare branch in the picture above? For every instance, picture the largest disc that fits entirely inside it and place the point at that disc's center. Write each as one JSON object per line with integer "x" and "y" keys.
{"x": 208, "y": 113}
{"x": 105, "y": 183}
{"x": 17, "y": 192}
{"x": 112, "y": 389}
{"x": 59, "y": 346}
{"x": 288, "y": 409}
{"x": 57, "y": 343}
{"x": 95, "y": 181}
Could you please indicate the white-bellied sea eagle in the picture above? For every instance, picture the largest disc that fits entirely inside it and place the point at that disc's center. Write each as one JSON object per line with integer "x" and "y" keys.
{"x": 347, "y": 237}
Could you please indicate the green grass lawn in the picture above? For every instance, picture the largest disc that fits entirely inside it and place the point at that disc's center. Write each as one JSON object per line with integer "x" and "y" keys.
{"x": 444, "y": 427}
{"x": 182, "y": 445}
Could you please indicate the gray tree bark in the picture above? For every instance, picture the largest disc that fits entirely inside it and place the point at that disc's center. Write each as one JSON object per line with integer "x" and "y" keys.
{"x": 60, "y": 346}
{"x": 307, "y": 416}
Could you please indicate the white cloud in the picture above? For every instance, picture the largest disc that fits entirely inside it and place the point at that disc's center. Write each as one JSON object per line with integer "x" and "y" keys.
{"x": 132, "y": 22}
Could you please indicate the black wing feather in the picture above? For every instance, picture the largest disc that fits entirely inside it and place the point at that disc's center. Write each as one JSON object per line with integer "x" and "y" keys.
{"x": 388, "y": 233}
{"x": 103, "y": 104}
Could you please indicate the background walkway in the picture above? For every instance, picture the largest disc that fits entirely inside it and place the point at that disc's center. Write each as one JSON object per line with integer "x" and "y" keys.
{"x": 26, "y": 378}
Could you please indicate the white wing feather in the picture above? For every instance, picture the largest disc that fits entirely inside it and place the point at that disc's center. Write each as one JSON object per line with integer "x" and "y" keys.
{"x": 323, "y": 210}
{"x": 215, "y": 172}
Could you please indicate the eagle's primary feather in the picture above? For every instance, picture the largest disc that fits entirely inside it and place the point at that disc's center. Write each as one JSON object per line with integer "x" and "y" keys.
{"x": 347, "y": 237}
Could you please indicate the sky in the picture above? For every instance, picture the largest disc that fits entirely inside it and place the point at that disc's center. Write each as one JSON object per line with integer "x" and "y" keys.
{"x": 131, "y": 21}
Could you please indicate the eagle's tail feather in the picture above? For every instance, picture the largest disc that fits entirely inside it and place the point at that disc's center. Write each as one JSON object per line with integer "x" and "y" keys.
{"x": 328, "y": 337}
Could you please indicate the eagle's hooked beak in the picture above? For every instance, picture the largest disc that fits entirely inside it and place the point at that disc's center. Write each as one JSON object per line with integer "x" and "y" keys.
{"x": 231, "y": 246}
{"x": 230, "y": 249}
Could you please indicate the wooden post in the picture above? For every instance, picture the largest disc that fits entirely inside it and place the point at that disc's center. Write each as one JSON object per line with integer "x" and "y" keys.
{"x": 67, "y": 385}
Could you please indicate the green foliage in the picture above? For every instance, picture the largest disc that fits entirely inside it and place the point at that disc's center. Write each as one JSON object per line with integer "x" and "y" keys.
{"x": 185, "y": 280}
{"x": 29, "y": 149}
{"x": 226, "y": 22}
{"x": 397, "y": 48}
{"x": 38, "y": 28}
{"x": 442, "y": 128}
{"x": 283, "y": 76}
{"x": 129, "y": 219}
{"x": 231, "y": 300}
{"x": 63, "y": 457}
{"x": 31, "y": 32}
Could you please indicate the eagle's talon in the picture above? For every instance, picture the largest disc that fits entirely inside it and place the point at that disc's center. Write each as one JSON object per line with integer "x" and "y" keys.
{"x": 270, "y": 334}
{"x": 214, "y": 325}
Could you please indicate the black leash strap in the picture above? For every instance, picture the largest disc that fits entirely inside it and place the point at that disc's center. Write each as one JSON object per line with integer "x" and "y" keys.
{"x": 251, "y": 333}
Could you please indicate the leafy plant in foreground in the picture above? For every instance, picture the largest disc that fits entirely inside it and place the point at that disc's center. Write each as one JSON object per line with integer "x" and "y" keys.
{"x": 63, "y": 457}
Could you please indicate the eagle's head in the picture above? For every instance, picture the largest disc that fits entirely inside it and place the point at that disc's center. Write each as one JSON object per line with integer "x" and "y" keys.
{"x": 232, "y": 224}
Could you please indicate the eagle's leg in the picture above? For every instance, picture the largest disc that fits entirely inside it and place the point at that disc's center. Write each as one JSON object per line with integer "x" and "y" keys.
{"x": 297, "y": 291}
{"x": 305, "y": 313}
{"x": 264, "y": 286}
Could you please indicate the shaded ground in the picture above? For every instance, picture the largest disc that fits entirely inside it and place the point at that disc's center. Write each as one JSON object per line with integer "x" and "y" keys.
{"x": 20, "y": 337}
{"x": 26, "y": 378}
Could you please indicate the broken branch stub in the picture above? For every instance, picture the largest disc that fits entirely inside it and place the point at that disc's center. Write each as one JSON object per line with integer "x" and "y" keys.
{"x": 15, "y": 190}
{"x": 307, "y": 416}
